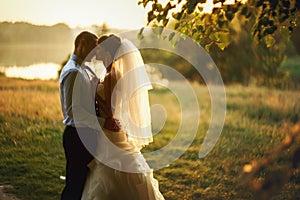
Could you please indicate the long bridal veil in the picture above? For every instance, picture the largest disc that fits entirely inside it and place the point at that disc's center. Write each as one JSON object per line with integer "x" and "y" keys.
{"x": 120, "y": 170}
{"x": 130, "y": 101}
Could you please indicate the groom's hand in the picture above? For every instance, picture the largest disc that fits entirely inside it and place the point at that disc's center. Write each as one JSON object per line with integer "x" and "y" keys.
{"x": 112, "y": 124}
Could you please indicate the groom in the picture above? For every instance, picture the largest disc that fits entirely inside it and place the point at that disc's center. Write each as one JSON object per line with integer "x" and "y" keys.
{"x": 85, "y": 125}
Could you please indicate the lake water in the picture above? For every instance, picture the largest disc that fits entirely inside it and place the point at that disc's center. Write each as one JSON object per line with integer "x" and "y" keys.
{"x": 32, "y": 61}
{"x": 43, "y": 71}
{"x": 35, "y": 61}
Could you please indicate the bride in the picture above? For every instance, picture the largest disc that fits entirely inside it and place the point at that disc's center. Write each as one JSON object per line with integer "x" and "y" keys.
{"x": 119, "y": 170}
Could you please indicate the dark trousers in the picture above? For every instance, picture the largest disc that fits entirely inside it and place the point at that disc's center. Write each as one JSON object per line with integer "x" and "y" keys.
{"x": 77, "y": 158}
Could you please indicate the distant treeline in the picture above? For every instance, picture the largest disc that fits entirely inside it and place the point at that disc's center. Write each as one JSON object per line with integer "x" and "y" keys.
{"x": 26, "y": 33}
{"x": 243, "y": 61}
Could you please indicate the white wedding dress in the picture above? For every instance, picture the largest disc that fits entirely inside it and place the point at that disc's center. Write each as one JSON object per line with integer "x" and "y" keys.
{"x": 106, "y": 183}
{"x": 119, "y": 170}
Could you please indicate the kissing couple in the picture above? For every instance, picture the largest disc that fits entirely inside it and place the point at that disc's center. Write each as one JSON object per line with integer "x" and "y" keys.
{"x": 107, "y": 122}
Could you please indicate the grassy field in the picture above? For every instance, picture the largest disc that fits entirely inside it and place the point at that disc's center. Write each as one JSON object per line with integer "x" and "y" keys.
{"x": 32, "y": 158}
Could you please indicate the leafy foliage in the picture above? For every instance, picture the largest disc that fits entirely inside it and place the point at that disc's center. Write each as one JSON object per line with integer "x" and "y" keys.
{"x": 247, "y": 40}
{"x": 243, "y": 61}
{"x": 247, "y": 62}
{"x": 212, "y": 28}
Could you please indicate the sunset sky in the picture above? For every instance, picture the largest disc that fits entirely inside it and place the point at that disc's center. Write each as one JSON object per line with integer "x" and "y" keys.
{"x": 116, "y": 13}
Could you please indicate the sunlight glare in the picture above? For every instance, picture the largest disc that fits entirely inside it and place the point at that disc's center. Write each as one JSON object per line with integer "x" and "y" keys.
{"x": 209, "y": 5}
{"x": 43, "y": 71}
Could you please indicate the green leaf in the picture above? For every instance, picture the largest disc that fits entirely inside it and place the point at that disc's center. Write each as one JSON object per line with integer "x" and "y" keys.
{"x": 216, "y": 1}
{"x": 213, "y": 36}
{"x": 220, "y": 22}
{"x": 229, "y": 15}
{"x": 157, "y": 30}
{"x": 176, "y": 25}
{"x": 224, "y": 37}
{"x": 264, "y": 21}
{"x": 145, "y": 2}
{"x": 177, "y": 16}
{"x": 183, "y": 15}
{"x": 191, "y": 5}
{"x": 154, "y": 7}
{"x": 169, "y": 6}
{"x": 200, "y": 28}
{"x": 151, "y": 16}
{"x": 194, "y": 31}
{"x": 284, "y": 32}
{"x": 244, "y": 10}
{"x": 160, "y": 17}
{"x": 249, "y": 15}
{"x": 159, "y": 7}
{"x": 216, "y": 10}
{"x": 209, "y": 30}
{"x": 140, "y": 34}
{"x": 269, "y": 40}
{"x": 222, "y": 45}
{"x": 208, "y": 46}
{"x": 171, "y": 36}
{"x": 165, "y": 22}
{"x": 141, "y": 30}
{"x": 270, "y": 30}
{"x": 174, "y": 41}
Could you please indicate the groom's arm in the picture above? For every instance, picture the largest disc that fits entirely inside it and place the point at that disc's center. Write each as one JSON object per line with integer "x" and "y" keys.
{"x": 68, "y": 92}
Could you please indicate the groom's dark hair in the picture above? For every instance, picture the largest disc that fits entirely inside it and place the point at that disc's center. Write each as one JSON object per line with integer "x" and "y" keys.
{"x": 85, "y": 35}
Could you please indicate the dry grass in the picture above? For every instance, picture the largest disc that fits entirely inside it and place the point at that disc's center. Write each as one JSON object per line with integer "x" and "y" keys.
{"x": 32, "y": 156}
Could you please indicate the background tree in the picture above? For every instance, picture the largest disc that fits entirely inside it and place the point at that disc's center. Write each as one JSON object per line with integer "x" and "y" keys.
{"x": 269, "y": 17}
{"x": 295, "y": 37}
{"x": 101, "y": 29}
{"x": 245, "y": 61}
{"x": 253, "y": 26}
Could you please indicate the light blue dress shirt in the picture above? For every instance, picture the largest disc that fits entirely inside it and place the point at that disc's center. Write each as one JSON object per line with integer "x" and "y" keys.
{"x": 77, "y": 92}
